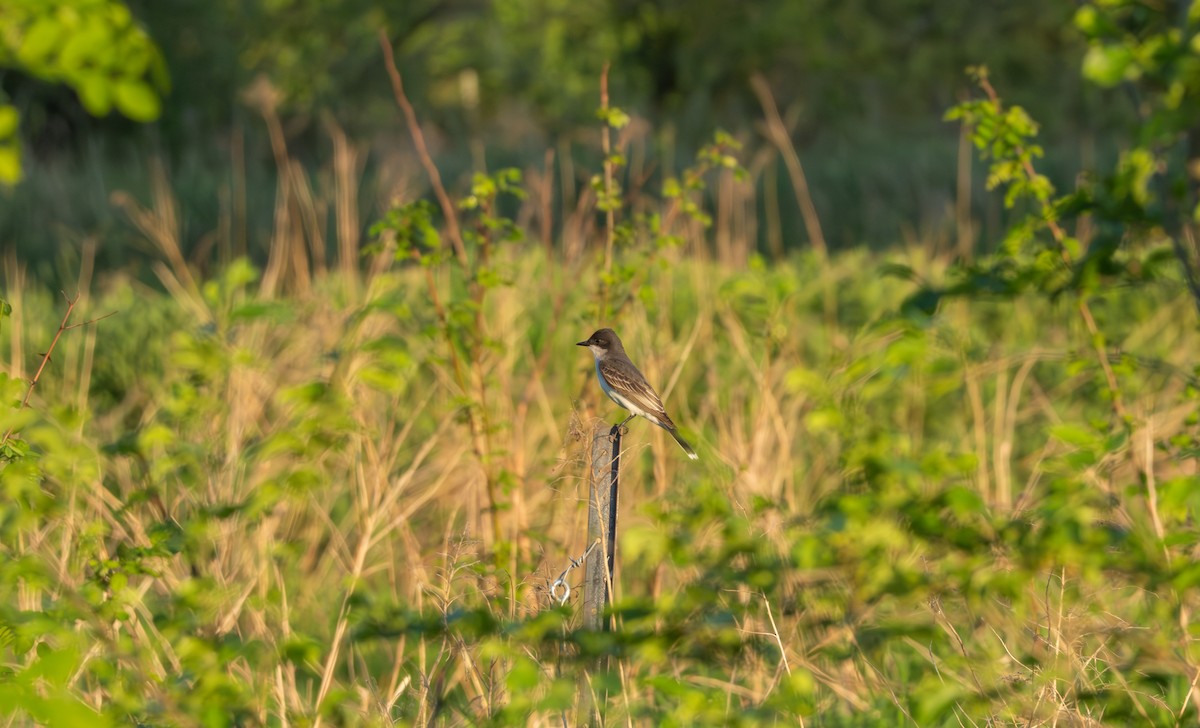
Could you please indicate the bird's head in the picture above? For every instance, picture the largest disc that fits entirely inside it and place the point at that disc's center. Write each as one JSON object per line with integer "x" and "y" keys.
{"x": 602, "y": 342}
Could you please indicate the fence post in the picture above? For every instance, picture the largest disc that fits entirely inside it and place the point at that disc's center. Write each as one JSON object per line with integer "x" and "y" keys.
{"x": 602, "y": 523}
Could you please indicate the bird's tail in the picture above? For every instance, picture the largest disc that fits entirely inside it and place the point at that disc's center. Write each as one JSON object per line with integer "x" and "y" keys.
{"x": 683, "y": 443}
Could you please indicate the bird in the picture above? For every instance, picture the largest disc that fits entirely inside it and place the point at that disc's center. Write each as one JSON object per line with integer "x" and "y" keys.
{"x": 626, "y": 386}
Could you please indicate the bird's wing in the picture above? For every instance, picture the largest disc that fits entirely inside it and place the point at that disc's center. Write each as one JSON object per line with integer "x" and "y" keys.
{"x": 629, "y": 383}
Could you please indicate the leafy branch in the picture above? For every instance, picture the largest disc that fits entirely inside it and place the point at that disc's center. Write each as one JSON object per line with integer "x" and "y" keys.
{"x": 412, "y": 229}
{"x": 1005, "y": 135}
{"x": 63, "y": 327}
{"x": 96, "y": 47}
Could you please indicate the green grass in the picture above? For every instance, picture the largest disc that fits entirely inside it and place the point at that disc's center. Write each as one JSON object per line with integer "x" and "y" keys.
{"x": 289, "y": 497}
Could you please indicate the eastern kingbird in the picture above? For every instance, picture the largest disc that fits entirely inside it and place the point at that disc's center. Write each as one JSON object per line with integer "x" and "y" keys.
{"x": 626, "y": 386}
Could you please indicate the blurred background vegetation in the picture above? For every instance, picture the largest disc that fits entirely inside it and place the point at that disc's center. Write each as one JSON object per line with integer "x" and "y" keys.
{"x": 861, "y": 85}
{"x": 306, "y": 441}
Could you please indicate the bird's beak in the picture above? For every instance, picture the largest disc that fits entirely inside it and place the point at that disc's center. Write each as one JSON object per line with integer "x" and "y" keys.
{"x": 581, "y": 343}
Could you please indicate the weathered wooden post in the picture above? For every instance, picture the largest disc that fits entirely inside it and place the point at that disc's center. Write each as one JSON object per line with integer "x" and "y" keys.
{"x": 598, "y": 569}
{"x": 602, "y": 523}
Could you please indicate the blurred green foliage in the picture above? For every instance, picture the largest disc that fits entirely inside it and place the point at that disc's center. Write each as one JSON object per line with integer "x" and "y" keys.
{"x": 95, "y": 47}
{"x": 863, "y": 83}
{"x": 896, "y": 62}
{"x": 937, "y": 489}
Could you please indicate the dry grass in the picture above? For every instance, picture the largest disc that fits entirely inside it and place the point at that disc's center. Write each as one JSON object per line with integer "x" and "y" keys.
{"x": 310, "y": 443}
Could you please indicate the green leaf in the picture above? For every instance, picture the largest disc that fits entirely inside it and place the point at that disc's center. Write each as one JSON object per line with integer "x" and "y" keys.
{"x": 824, "y": 419}
{"x": 136, "y": 100}
{"x": 1073, "y": 434}
{"x": 95, "y": 93}
{"x": 922, "y": 304}
{"x": 56, "y": 666}
{"x": 898, "y": 270}
{"x": 614, "y": 117}
{"x": 936, "y": 704}
{"x": 1087, "y": 20}
{"x": 9, "y": 119}
{"x": 39, "y": 41}
{"x": 10, "y": 165}
{"x": 1108, "y": 65}
{"x": 523, "y": 676}
{"x": 88, "y": 46}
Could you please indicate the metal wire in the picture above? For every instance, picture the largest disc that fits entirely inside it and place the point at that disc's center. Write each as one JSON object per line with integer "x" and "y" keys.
{"x": 561, "y": 582}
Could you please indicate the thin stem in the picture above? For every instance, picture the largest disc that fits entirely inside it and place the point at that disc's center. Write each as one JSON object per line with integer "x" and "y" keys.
{"x": 37, "y": 377}
{"x": 478, "y": 434}
{"x": 780, "y": 138}
{"x": 476, "y": 419}
{"x": 609, "y": 213}
{"x": 414, "y": 129}
{"x": 478, "y": 291}
{"x": 778, "y": 135}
